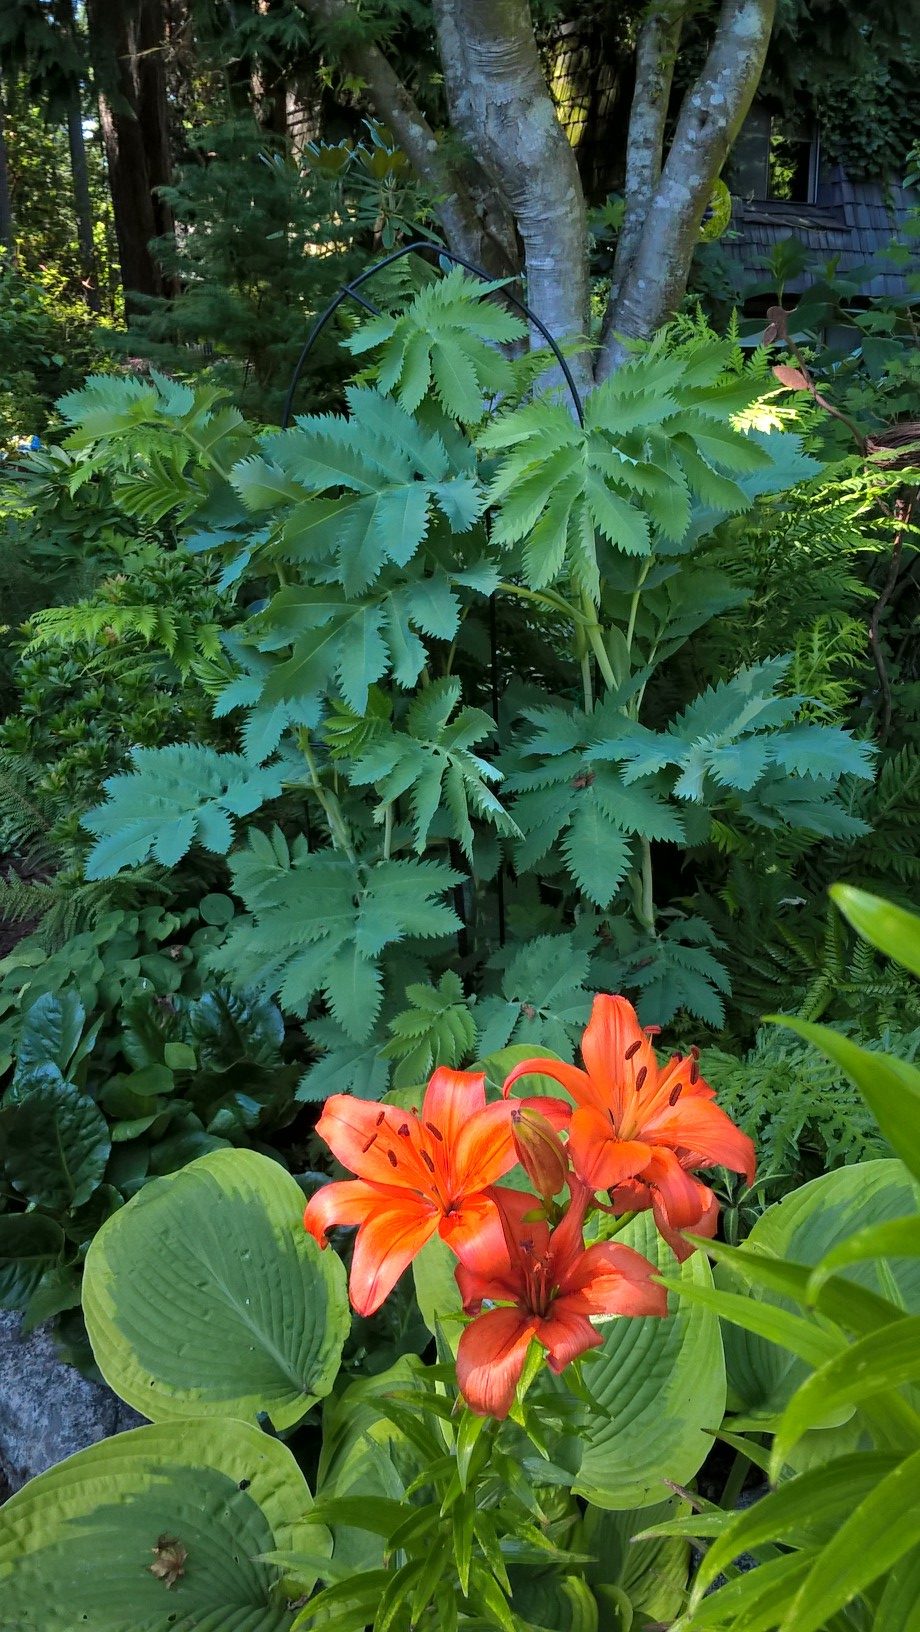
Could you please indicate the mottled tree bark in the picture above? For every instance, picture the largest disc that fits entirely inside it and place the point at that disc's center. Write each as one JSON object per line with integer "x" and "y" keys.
{"x": 488, "y": 46}
{"x": 510, "y": 167}
{"x": 465, "y": 232}
{"x": 656, "y": 54}
{"x": 710, "y": 117}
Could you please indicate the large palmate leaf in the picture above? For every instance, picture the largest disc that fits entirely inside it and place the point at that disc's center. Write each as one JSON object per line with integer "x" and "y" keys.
{"x": 655, "y": 432}
{"x": 175, "y": 797}
{"x": 445, "y": 340}
{"x": 318, "y": 923}
{"x": 432, "y": 762}
{"x": 81, "y": 1544}
{"x": 660, "y": 1385}
{"x": 542, "y": 1002}
{"x": 337, "y": 640}
{"x": 54, "y": 1144}
{"x": 388, "y": 477}
{"x": 204, "y": 1296}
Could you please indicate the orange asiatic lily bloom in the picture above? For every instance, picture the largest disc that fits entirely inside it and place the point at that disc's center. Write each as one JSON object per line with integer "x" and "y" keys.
{"x": 639, "y": 1129}
{"x": 550, "y": 1286}
{"x": 419, "y": 1174}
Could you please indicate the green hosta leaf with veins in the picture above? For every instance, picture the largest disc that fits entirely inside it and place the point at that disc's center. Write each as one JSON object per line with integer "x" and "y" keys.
{"x": 212, "y": 1498}
{"x": 204, "y": 1297}
{"x": 437, "y": 1030}
{"x": 656, "y": 432}
{"x": 356, "y": 493}
{"x": 445, "y": 341}
{"x": 433, "y": 764}
{"x": 173, "y": 798}
{"x": 316, "y": 922}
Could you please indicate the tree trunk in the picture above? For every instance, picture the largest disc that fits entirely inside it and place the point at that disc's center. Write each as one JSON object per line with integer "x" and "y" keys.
{"x": 711, "y": 115}
{"x": 6, "y": 206}
{"x": 126, "y": 43}
{"x": 82, "y": 203}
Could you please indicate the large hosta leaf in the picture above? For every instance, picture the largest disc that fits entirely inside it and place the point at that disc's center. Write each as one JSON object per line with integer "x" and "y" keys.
{"x": 78, "y": 1542}
{"x": 662, "y": 1385}
{"x": 204, "y": 1296}
{"x": 803, "y": 1227}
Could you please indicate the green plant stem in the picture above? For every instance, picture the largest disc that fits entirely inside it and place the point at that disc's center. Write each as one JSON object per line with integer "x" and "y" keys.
{"x": 735, "y": 1481}
{"x": 634, "y": 603}
{"x": 586, "y": 684}
{"x": 388, "y": 831}
{"x": 543, "y": 598}
{"x": 338, "y": 832}
{"x": 648, "y": 896}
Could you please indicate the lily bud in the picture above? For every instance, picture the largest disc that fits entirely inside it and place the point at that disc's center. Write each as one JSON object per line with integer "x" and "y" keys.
{"x": 540, "y": 1151}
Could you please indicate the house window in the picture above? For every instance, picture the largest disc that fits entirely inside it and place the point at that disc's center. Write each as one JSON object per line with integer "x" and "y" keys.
{"x": 773, "y": 158}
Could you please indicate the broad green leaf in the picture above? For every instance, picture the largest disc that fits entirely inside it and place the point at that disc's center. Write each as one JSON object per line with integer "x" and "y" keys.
{"x": 803, "y": 1228}
{"x": 876, "y": 1534}
{"x": 30, "y": 1245}
{"x": 175, "y": 796}
{"x": 885, "y": 926}
{"x": 890, "y": 1087}
{"x": 77, "y": 1543}
{"x": 55, "y": 1144}
{"x": 436, "y": 1288}
{"x": 51, "y": 1030}
{"x": 662, "y": 1385}
{"x": 882, "y": 1362}
{"x": 807, "y": 1507}
{"x": 899, "y": 1239}
{"x": 204, "y": 1296}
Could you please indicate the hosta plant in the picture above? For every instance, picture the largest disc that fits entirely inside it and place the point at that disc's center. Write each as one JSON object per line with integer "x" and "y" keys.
{"x": 487, "y": 1488}
{"x": 824, "y": 1298}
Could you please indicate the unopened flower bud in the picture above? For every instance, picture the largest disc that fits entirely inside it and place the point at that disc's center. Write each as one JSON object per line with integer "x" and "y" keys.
{"x": 540, "y": 1151}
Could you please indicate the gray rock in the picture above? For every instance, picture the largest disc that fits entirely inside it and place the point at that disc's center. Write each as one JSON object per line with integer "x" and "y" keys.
{"x": 47, "y": 1410}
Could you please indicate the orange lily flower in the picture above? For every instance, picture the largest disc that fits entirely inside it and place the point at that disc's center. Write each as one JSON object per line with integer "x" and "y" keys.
{"x": 639, "y": 1129}
{"x": 418, "y": 1175}
{"x": 552, "y": 1286}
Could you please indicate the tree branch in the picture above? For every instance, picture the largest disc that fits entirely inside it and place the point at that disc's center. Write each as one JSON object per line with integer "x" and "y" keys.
{"x": 503, "y": 106}
{"x": 391, "y": 100}
{"x": 656, "y": 54}
{"x": 710, "y": 118}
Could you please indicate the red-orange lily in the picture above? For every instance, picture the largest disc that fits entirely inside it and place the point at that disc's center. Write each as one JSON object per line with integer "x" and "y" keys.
{"x": 639, "y": 1129}
{"x": 552, "y": 1286}
{"x": 418, "y": 1175}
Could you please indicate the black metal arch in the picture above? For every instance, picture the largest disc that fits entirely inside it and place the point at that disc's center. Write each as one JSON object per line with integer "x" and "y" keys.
{"x": 420, "y": 246}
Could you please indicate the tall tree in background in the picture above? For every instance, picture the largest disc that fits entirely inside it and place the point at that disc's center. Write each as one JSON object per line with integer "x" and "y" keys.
{"x": 6, "y": 207}
{"x": 65, "y": 20}
{"x": 517, "y": 178}
{"x": 127, "y": 47}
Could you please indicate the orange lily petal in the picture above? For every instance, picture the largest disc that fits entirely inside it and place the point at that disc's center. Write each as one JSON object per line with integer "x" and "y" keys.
{"x": 349, "y": 1201}
{"x": 569, "y": 1077}
{"x": 615, "y": 1049}
{"x": 387, "y": 1242}
{"x": 683, "y": 1198}
{"x": 359, "y": 1134}
{"x": 703, "y": 1128}
{"x": 483, "y": 1150}
{"x": 707, "y": 1224}
{"x": 470, "y": 1222}
{"x": 565, "y": 1335}
{"x": 490, "y": 1359}
{"x": 610, "y": 1279}
{"x": 600, "y": 1159}
{"x": 451, "y": 1099}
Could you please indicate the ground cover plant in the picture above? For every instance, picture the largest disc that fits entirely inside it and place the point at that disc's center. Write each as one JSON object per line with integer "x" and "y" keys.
{"x": 542, "y": 1234}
